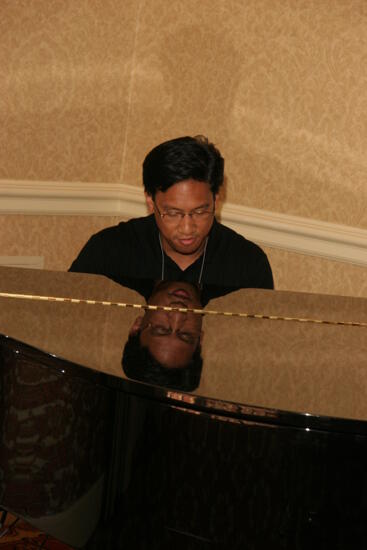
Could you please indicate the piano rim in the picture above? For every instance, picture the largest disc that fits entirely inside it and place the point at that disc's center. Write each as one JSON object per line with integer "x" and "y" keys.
{"x": 222, "y": 409}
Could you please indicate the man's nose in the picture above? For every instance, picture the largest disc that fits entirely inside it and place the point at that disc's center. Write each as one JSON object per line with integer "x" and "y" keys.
{"x": 187, "y": 223}
{"x": 177, "y": 319}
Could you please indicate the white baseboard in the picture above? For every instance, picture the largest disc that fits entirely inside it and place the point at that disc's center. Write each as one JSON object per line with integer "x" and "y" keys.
{"x": 293, "y": 233}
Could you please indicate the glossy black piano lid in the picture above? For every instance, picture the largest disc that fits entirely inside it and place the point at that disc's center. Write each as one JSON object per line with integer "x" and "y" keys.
{"x": 113, "y": 465}
{"x": 104, "y": 461}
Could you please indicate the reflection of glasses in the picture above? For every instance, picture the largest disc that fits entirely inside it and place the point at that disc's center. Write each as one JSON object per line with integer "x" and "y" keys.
{"x": 186, "y": 336}
{"x": 173, "y": 216}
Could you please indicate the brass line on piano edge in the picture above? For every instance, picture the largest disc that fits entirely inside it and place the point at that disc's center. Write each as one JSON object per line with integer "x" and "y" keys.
{"x": 180, "y": 309}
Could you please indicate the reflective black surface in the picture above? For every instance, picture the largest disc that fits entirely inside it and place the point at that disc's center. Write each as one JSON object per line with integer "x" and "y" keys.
{"x": 105, "y": 463}
{"x": 219, "y": 456}
{"x": 55, "y": 439}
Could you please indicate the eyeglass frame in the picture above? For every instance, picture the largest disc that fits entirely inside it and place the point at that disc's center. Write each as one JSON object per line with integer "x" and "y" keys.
{"x": 179, "y": 215}
{"x": 194, "y": 335}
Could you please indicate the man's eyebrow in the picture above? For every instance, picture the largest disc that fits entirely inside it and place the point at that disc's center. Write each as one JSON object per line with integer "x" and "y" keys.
{"x": 169, "y": 207}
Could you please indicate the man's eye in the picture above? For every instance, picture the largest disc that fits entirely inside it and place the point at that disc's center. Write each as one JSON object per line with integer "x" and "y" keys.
{"x": 187, "y": 337}
{"x": 173, "y": 214}
{"x": 159, "y": 330}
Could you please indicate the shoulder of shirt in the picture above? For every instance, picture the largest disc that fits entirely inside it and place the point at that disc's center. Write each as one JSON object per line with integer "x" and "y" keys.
{"x": 143, "y": 225}
{"x": 230, "y": 237}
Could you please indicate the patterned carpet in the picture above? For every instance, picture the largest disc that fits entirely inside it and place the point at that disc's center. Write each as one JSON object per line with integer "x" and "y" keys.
{"x": 16, "y": 534}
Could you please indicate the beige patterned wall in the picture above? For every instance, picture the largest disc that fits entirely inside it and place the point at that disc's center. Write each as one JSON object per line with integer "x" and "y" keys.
{"x": 57, "y": 238}
{"x": 299, "y": 272}
{"x": 88, "y": 87}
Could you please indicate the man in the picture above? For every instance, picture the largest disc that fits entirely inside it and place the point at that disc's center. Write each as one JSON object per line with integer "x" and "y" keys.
{"x": 181, "y": 239}
{"x": 164, "y": 345}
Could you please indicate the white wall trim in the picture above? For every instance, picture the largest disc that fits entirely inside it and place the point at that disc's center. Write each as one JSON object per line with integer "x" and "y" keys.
{"x": 296, "y": 234}
{"x": 32, "y": 262}
{"x": 293, "y": 233}
{"x": 71, "y": 198}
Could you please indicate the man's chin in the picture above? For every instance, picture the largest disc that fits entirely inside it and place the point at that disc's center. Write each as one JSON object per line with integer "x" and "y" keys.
{"x": 189, "y": 248}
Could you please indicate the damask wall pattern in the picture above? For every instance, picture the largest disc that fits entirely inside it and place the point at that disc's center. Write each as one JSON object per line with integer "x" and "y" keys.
{"x": 88, "y": 87}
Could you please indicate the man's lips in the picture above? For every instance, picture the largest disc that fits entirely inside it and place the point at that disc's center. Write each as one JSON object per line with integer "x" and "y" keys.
{"x": 187, "y": 241}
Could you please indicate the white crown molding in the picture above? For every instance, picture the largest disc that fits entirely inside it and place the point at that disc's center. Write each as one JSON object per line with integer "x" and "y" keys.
{"x": 293, "y": 233}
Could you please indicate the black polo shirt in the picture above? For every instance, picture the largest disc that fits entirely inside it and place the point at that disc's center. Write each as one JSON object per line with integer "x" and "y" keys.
{"x": 130, "y": 254}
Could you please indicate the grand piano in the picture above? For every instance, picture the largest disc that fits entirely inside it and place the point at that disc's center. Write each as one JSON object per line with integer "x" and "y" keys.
{"x": 262, "y": 444}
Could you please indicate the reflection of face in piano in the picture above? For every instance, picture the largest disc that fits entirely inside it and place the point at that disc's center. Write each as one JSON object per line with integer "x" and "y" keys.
{"x": 164, "y": 347}
{"x": 171, "y": 336}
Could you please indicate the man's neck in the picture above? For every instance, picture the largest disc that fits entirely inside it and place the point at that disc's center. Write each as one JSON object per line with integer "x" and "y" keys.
{"x": 182, "y": 260}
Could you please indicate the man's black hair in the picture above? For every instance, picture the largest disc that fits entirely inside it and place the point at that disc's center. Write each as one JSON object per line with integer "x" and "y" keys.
{"x": 181, "y": 159}
{"x": 139, "y": 364}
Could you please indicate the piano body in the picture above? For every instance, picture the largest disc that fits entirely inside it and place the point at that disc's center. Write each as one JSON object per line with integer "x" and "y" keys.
{"x": 268, "y": 451}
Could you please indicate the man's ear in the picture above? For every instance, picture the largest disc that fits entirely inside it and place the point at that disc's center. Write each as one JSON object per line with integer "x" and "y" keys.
{"x": 136, "y": 326}
{"x": 150, "y": 203}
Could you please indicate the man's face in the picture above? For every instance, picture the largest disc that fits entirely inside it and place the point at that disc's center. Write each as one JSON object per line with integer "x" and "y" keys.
{"x": 184, "y": 235}
{"x": 172, "y": 336}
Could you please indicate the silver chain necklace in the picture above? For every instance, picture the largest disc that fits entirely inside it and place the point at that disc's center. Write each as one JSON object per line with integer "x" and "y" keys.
{"x": 202, "y": 261}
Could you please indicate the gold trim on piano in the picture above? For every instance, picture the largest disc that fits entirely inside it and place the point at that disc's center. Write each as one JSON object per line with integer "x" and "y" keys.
{"x": 181, "y": 309}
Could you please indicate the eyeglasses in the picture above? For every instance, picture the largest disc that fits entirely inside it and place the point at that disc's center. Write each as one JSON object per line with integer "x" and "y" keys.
{"x": 173, "y": 216}
{"x": 189, "y": 337}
